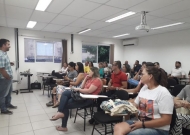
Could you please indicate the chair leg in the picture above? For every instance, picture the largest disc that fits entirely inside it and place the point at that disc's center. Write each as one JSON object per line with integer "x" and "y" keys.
{"x": 93, "y": 128}
{"x": 70, "y": 113}
{"x": 85, "y": 114}
{"x": 48, "y": 90}
{"x": 76, "y": 115}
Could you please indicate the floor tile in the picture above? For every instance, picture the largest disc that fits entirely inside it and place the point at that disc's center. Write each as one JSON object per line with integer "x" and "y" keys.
{"x": 4, "y": 123}
{"x": 18, "y": 115}
{"x": 26, "y": 133}
{"x": 20, "y": 128}
{"x": 4, "y": 131}
{"x": 36, "y": 112}
{"x": 42, "y": 124}
{"x": 40, "y": 117}
{"x": 18, "y": 121}
{"x": 47, "y": 131}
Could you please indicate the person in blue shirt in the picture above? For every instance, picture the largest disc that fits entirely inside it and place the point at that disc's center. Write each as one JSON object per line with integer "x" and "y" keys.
{"x": 6, "y": 76}
{"x": 101, "y": 69}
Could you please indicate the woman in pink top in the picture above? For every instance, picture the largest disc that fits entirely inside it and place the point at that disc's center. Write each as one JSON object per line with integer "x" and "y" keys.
{"x": 92, "y": 84}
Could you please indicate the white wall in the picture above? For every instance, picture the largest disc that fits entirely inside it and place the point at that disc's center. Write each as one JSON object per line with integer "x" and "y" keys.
{"x": 163, "y": 48}
{"x": 48, "y": 67}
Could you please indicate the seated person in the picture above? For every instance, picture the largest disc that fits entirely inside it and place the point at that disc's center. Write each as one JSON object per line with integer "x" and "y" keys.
{"x": 157, "y": 65}
{"x": 66, "y": 82}
{"x": 101, "y": 69}
{"x": 183, "y": 98}
{"x": 118, "y": 79}
{"x": 86, "y": 67}
{"x": 90, "y": 64}
{"x": 92, "y": 84}
{"x": 136, "y": 67}
{"x": 76, "y": 82}
{"x": 64, "y": 68}
{"x": 177, "y": 72}
{"x": 155, "y": 105}
{"x": 124, "y": 69}
{"x": 136, "y": 78}
{"x": 106, "y": 68}
{"x": 140, "y": 85}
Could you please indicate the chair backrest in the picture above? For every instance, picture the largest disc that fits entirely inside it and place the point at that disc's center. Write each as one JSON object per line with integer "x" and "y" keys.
{"x": 177, "y": 89}
{"x": 121, "y": 94}
{"x": 171, "y": 82}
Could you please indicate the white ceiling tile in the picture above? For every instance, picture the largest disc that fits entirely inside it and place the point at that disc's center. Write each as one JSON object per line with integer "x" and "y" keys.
{"x": 82, "y": 22}
{"x": 2, "y": 21}
{"x": 102, "y": 12}
{"x": 52, "y": 27}
{"x": 124, "y": 4}
{"x": 22, "y": 3}
{"x": 178, "y": 27}
{"x": 179, "y": 15}
{"x": 57, "y": 6}
{"x": 135, "y": 20}
{"x": 80, "y": 7}
{"x": 93, "y": 33}
{"x": 112, "y": 27}
{"x": 63, "y": 20}
{"x": 171, "y": 9}
{"x": 18, "y": 13}
{"x": 2, "y": 11}
{"x": 69, "y": 29}
{"x": 98, "y": 25}
{"x": 40, "y": 26}
{"x": 16, "y": 23}
{"x": 159, "y": 21}
{"x": 99, "y": 1}
{"x": 186, "y": 19}
{"x": 123, "y": 30}
{"x": 151, "y": 5}
{"x": 42, "y": 16}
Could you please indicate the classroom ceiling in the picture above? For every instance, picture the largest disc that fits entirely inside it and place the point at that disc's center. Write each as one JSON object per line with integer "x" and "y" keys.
{"x": 72, "y": 16}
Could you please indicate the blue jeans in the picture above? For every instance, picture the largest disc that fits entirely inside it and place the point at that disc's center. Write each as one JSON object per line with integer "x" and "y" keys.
{"x": 5, "y": 93}
{"x": 66, "y": 103}
{"x": 133, "y": 82}
{"x": 147, "y": 131}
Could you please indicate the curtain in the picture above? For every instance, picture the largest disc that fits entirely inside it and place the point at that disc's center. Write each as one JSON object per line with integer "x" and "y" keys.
{"x": 111, "y": 53}
{"x": 64, "y": 55}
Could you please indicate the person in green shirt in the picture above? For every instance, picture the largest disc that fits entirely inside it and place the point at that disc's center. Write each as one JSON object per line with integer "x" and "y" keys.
{"x": 101, "y": 69}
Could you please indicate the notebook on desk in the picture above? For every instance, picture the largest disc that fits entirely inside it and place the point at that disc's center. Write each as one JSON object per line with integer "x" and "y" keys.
{"x": 92, "y": 96}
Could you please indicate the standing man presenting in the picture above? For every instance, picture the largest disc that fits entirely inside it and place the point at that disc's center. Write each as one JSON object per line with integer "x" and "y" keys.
{"x": 6, "y": 76}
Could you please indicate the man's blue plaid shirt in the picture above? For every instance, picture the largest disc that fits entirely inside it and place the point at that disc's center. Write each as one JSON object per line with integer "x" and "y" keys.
{"x": 5, "y": 63}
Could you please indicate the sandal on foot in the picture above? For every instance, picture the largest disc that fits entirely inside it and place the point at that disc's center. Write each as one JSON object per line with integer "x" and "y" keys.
{"x": 59, "y": 128}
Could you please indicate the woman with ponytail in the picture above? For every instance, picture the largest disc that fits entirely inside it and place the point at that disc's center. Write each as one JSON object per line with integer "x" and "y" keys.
{"x": 155, "y": 105}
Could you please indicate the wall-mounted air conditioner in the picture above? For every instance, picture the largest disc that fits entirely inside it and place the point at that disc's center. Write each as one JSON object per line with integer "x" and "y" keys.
{"x": 130, "y": 42}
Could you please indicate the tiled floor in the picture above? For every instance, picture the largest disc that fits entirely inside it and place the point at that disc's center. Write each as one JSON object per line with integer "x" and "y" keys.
{"x": 32, "y": 118}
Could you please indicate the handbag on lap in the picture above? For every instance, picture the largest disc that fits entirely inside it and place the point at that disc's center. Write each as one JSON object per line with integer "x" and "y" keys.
{"x": 76, "y": 96}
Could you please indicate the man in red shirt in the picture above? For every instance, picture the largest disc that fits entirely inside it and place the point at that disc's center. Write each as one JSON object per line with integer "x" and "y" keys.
{"x": 118, "y": 78}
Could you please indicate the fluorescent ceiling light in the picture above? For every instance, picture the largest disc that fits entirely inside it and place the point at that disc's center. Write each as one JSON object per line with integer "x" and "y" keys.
{"x": 121, "y": 16}
{"x": 43, "y": 4}
{"x": 121, "y": 35}
{"x": 31, "y": 24}
{"x": 84, "y": 31}
{"x": 169, "y": 25}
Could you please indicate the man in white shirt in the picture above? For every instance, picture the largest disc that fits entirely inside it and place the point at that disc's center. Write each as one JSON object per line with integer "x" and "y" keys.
{"x": 177, "y": 71}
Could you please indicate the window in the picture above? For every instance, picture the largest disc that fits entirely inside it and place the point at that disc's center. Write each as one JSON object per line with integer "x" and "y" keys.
{"x": 42, "y": 51}
{"x": 95, "y": 53}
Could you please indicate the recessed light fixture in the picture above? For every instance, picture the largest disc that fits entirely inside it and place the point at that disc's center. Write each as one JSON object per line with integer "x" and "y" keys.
{"x": 121, "y": 16}
{"x": 169, "y": 25}
{"x": 43, "y": 4}
{"x": 31, "y": 24}
{"x": 121, "y": 35}
{"x": 84, "y": 31}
